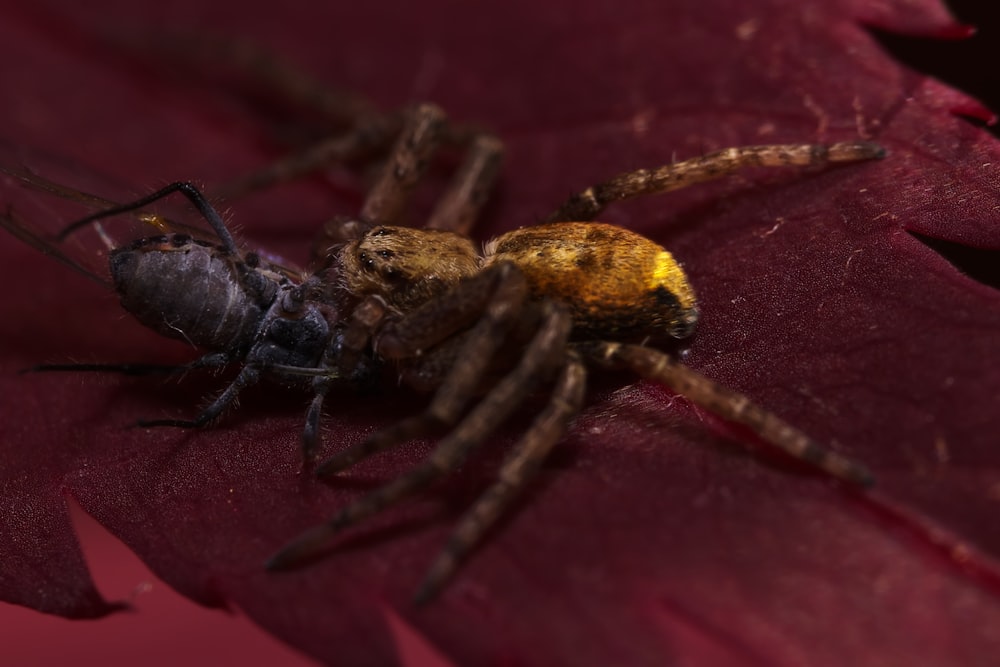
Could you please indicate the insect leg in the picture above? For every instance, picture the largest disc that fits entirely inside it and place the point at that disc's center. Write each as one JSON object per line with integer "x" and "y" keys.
{"x": 589, "y": 203}
{"x": 660, "y": 367}
{"x": 192, "y": 193}
{"x": 459, "y": 207}
{"x": 248, "y": 376}
{"x": 495, "y": 296}
{"x": 212, "y": 360}
{"x": 310, "y": 432}
{"x": 520, "y": 466}
{"x": 505, "y": 396}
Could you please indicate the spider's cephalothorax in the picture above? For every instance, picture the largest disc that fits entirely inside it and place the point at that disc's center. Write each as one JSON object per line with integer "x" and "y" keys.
{"x": 533, "y": 310}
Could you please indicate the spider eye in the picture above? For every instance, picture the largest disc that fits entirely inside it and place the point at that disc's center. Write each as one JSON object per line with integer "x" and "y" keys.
{"x": 366, "y": 261}
{"x": 386, "y": 254}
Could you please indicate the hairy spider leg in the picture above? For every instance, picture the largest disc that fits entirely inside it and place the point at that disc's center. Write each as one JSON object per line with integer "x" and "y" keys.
{"x": 456, "y": 210}
{"x": 499, "y": 402}
{"x": 519, "y": 467}
{"x": 263, "y": 72}
{"x": 277, "y": 78}
{"x": 364, "y": 131}
{"x": 358, "y": 129}
{"x": 406, "y": 164}
{"x": 660, "y": 367}
{"x": 496, "y": 297}
{"x": 348, "y": 147}
{"x": 588, "y": 204}
{"x": 459, "y": 207}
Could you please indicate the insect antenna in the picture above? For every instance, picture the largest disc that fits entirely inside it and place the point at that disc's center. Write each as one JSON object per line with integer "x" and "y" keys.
{"x": 210, "y": 360}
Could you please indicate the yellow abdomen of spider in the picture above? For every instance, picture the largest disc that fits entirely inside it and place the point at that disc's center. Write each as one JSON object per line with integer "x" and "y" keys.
{"x": 616, "y": 282}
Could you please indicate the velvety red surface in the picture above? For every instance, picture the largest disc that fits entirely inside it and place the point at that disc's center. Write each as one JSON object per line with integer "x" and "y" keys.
{"x": 654, "y": 536}
{"x": 160, "y": 628}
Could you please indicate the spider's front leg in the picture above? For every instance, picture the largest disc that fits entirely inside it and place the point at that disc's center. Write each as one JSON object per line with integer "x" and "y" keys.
{"x": 425, "y": 343}
{"x": 469, "y": 189}
{"x": 357, "y": 129}
{"x": 658, "y": 366}
{"x": 544, "y": 353}
{"x": 416, "y": 145}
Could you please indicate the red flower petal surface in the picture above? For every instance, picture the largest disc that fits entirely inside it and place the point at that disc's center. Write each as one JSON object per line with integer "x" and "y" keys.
{"x": 654, "y": 536}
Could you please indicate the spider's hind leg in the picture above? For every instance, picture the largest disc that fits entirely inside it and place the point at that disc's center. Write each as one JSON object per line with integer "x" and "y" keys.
{"x": 588, "y": 204}
{"x": 660, "y": 367}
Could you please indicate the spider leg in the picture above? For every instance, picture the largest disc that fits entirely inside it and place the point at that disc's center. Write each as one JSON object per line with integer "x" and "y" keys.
{"x": 660, "y": 367}
{"x": 496, "y": 296}
{"x": 365, "y": 131}
{"x": 548, "y": 343}
{"x": 248, "y": 376}
{"x": 266, "y": 74}
{"x": 520, "y": 466}
{"x": 407, "y": 161}
{"x": 417, "y": 133}
{"x": 588, "y": 204}
{"x": 361, "y": 130}
{"x": 459, "y": 207}
{"x": 359, "y": 143}
{"x": 263, "y": 72}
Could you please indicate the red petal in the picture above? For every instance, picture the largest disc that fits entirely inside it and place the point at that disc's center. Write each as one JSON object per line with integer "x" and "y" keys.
{"x": 653, "y": 536}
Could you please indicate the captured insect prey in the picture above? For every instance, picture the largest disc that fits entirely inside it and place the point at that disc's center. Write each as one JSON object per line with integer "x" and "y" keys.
{"x": 479, "y": 330}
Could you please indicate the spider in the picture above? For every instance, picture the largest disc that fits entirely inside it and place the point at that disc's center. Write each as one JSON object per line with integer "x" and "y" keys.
{"x": 481, "y": 330}
{"x": 533, "y": 310}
